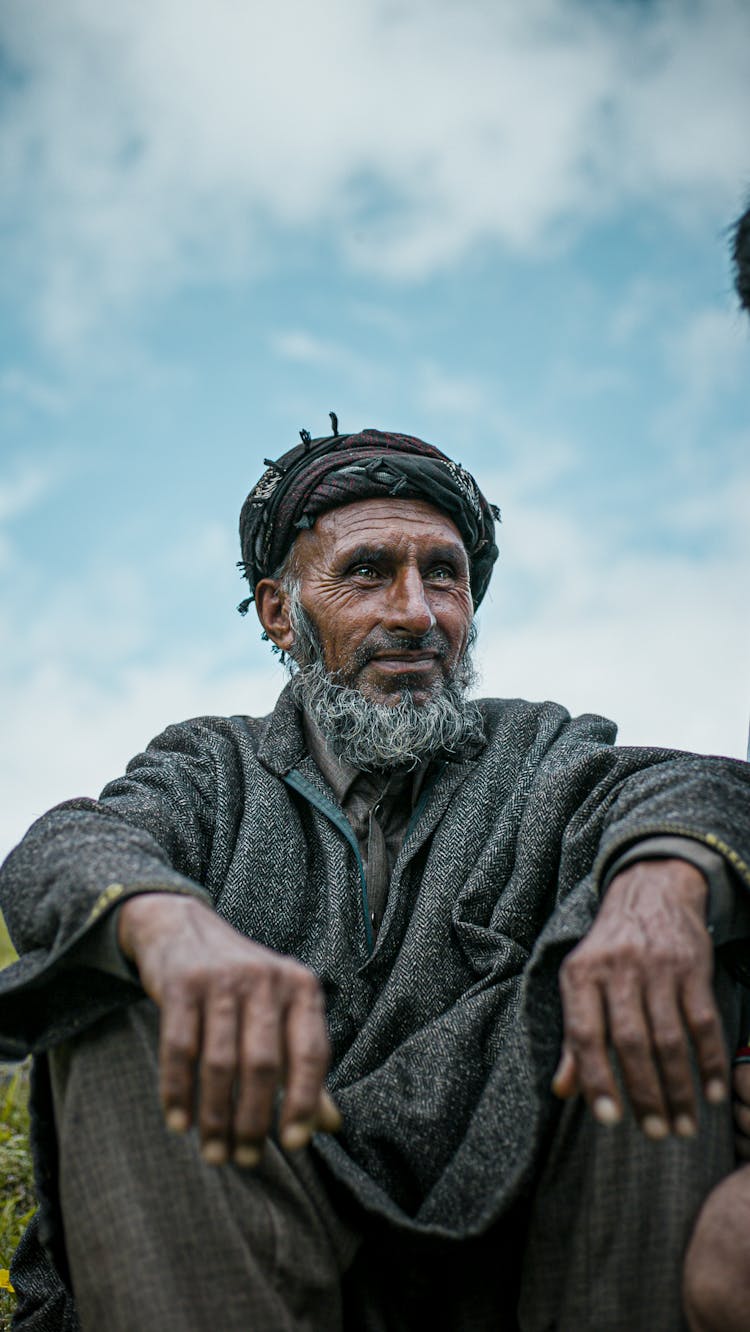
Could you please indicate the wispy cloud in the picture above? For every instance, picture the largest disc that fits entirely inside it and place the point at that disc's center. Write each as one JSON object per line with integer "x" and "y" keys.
{"x": 140, "y": 153}
{"x": 661, "y": 645}
{"x": 23, "y": 487}
{"x": 709, "y": 354}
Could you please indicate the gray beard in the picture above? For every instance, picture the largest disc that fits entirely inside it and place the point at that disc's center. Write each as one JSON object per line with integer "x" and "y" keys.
{"x": 382, "y": 735}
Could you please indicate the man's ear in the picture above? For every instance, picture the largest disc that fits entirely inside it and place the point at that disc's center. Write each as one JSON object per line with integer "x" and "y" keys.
{"x": 271, "y": 604}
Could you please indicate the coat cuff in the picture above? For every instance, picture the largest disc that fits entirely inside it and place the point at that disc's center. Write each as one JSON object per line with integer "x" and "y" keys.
{"x": 99, "y": 947}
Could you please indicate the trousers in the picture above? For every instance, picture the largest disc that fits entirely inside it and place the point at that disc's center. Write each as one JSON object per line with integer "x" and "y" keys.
{"x": 159, "y": 1241}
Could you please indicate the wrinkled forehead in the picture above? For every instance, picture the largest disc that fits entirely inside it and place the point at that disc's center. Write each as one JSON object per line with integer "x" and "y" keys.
{"x": 398, "y": 528}
{"x": 385, "y": 531}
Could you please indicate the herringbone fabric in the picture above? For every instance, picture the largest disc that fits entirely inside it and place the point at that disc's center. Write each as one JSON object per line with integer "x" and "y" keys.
{"x": 446, "y": 1035}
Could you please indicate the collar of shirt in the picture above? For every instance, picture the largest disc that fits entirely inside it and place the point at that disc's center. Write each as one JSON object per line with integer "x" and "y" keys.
{"x": 348, "y": 782}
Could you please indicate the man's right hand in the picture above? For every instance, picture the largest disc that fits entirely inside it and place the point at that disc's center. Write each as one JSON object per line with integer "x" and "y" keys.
{"x": 237, "y": 1021}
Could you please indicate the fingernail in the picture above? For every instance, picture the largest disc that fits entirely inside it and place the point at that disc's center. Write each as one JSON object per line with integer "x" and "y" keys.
{"x": 606, "y": 1111}
{"x": 685, "y": 1126}
{"x": 716, "y": 1092}
{"x": 176, "y": 1120}
{"x": 296, "y": 1136}
{"x": 654, "y": 1127}
{"x": 329, "y": 1115}
{"x": 246, "y": 1155}
{"x": 214, "y": 1152}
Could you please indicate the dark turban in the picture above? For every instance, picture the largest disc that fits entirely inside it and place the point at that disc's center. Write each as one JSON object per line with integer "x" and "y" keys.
{"x": 322, "y": 474}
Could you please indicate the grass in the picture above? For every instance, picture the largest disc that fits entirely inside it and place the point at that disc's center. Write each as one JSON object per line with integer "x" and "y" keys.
{"x": 17, "y": 1200}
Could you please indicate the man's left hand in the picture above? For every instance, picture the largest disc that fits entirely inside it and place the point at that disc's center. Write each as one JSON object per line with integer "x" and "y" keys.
{"x": 639, "y": 986}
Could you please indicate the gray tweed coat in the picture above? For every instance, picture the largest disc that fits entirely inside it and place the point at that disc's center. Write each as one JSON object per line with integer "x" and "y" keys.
{"x": 445, "y": 1035}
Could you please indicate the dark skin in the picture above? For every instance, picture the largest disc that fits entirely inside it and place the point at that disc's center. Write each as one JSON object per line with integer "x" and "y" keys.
{"x": 386, "y": 582}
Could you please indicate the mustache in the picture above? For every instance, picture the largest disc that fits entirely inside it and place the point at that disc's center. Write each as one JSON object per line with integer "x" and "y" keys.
{"x": 380, "y": 641}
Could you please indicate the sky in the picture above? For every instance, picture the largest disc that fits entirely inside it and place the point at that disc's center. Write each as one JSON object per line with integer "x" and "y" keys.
{"x": 501, "y": 227}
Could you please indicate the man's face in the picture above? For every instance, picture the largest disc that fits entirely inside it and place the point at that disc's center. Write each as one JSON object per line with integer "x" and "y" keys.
{"x": 386, "y": 585}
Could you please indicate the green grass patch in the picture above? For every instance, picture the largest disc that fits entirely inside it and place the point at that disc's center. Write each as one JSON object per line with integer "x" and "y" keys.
{"x": 7, "y": 951}
{"x": 17, "y": 1201}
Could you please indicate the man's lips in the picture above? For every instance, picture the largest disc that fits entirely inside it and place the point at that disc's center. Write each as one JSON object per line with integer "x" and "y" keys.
{"x": 405, "y": 661}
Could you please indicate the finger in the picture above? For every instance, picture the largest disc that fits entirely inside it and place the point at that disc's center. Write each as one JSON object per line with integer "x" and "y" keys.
{"x": 672, "y": 1054}
{"x": 741, "y": 1117}
{"x": 565, "y": 1081}
{"x": 631, "y": 1039}
{"x": 179, "y": 1045}
{"x": 584, "y": 1022}
{"x": 218, "y": 1071}
{"x": 328, "y": 1115}
{"x": 308, "y": 1056}
{"x": 260, "y": 1072}
{"x": 704, "y": 1025}
{"x": 741, "y": 1082}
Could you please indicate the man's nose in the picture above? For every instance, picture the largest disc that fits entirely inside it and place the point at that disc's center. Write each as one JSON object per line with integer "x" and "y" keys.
{"x": 408, "y": 609}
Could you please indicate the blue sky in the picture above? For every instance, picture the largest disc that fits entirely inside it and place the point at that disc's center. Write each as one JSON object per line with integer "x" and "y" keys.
{"x": 501, "y": 227}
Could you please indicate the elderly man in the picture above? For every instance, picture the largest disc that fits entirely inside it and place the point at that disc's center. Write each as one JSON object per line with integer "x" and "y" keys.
{"x": 294, "y": 983}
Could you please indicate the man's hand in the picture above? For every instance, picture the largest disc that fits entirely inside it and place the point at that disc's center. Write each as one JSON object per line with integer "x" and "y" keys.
{"x": 640, "y": 983}
{"x": 237, "y": 1019}
{"x": 741, "y": 1110}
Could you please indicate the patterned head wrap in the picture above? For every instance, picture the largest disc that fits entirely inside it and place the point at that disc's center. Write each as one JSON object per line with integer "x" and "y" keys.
{"x": 322, "y": 474}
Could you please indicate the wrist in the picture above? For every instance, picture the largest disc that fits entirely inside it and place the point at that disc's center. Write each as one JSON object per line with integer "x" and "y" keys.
{"x": 674, "y": 880}
{"x": 146, "y": 916}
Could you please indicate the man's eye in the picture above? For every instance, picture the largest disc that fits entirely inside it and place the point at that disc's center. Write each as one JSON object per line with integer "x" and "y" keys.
{"x": 441, "y": 573}
{"x": 364, "y": 571}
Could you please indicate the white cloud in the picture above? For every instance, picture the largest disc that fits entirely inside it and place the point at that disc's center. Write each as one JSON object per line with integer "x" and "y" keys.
{"x": 21, "y": 489}
{"x": 143, "y": 152}
{"x": 307, "y": 349}
{"x": 709, "y": 353}
{"x": 64, "y": 735}
{"x": 445, "y": 394}
{"x": 659, "y": 642}
{"x": 18, "y": 384}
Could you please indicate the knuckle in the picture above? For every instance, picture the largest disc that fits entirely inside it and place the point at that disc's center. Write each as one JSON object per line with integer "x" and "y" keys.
{"x": 306, "y": 984}
{"x": 704, "y": 1022}
{"x": 309, "y": 1059}
{"x": 580, "y": 1033}
{"x": 575, "y": 968}
{"x": 263, "y": 1067}
{"x": 630, "y": 1041}
{"x": 198, "y": 975}
{"x": 180, "y": 1054}
{"x": 223, "y": 1000}
{"x": 625, "y": 955}
{"x": 179, "y": 993}
{"x": 218, "y": 1067}
{"x": 669, "y": 1045}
